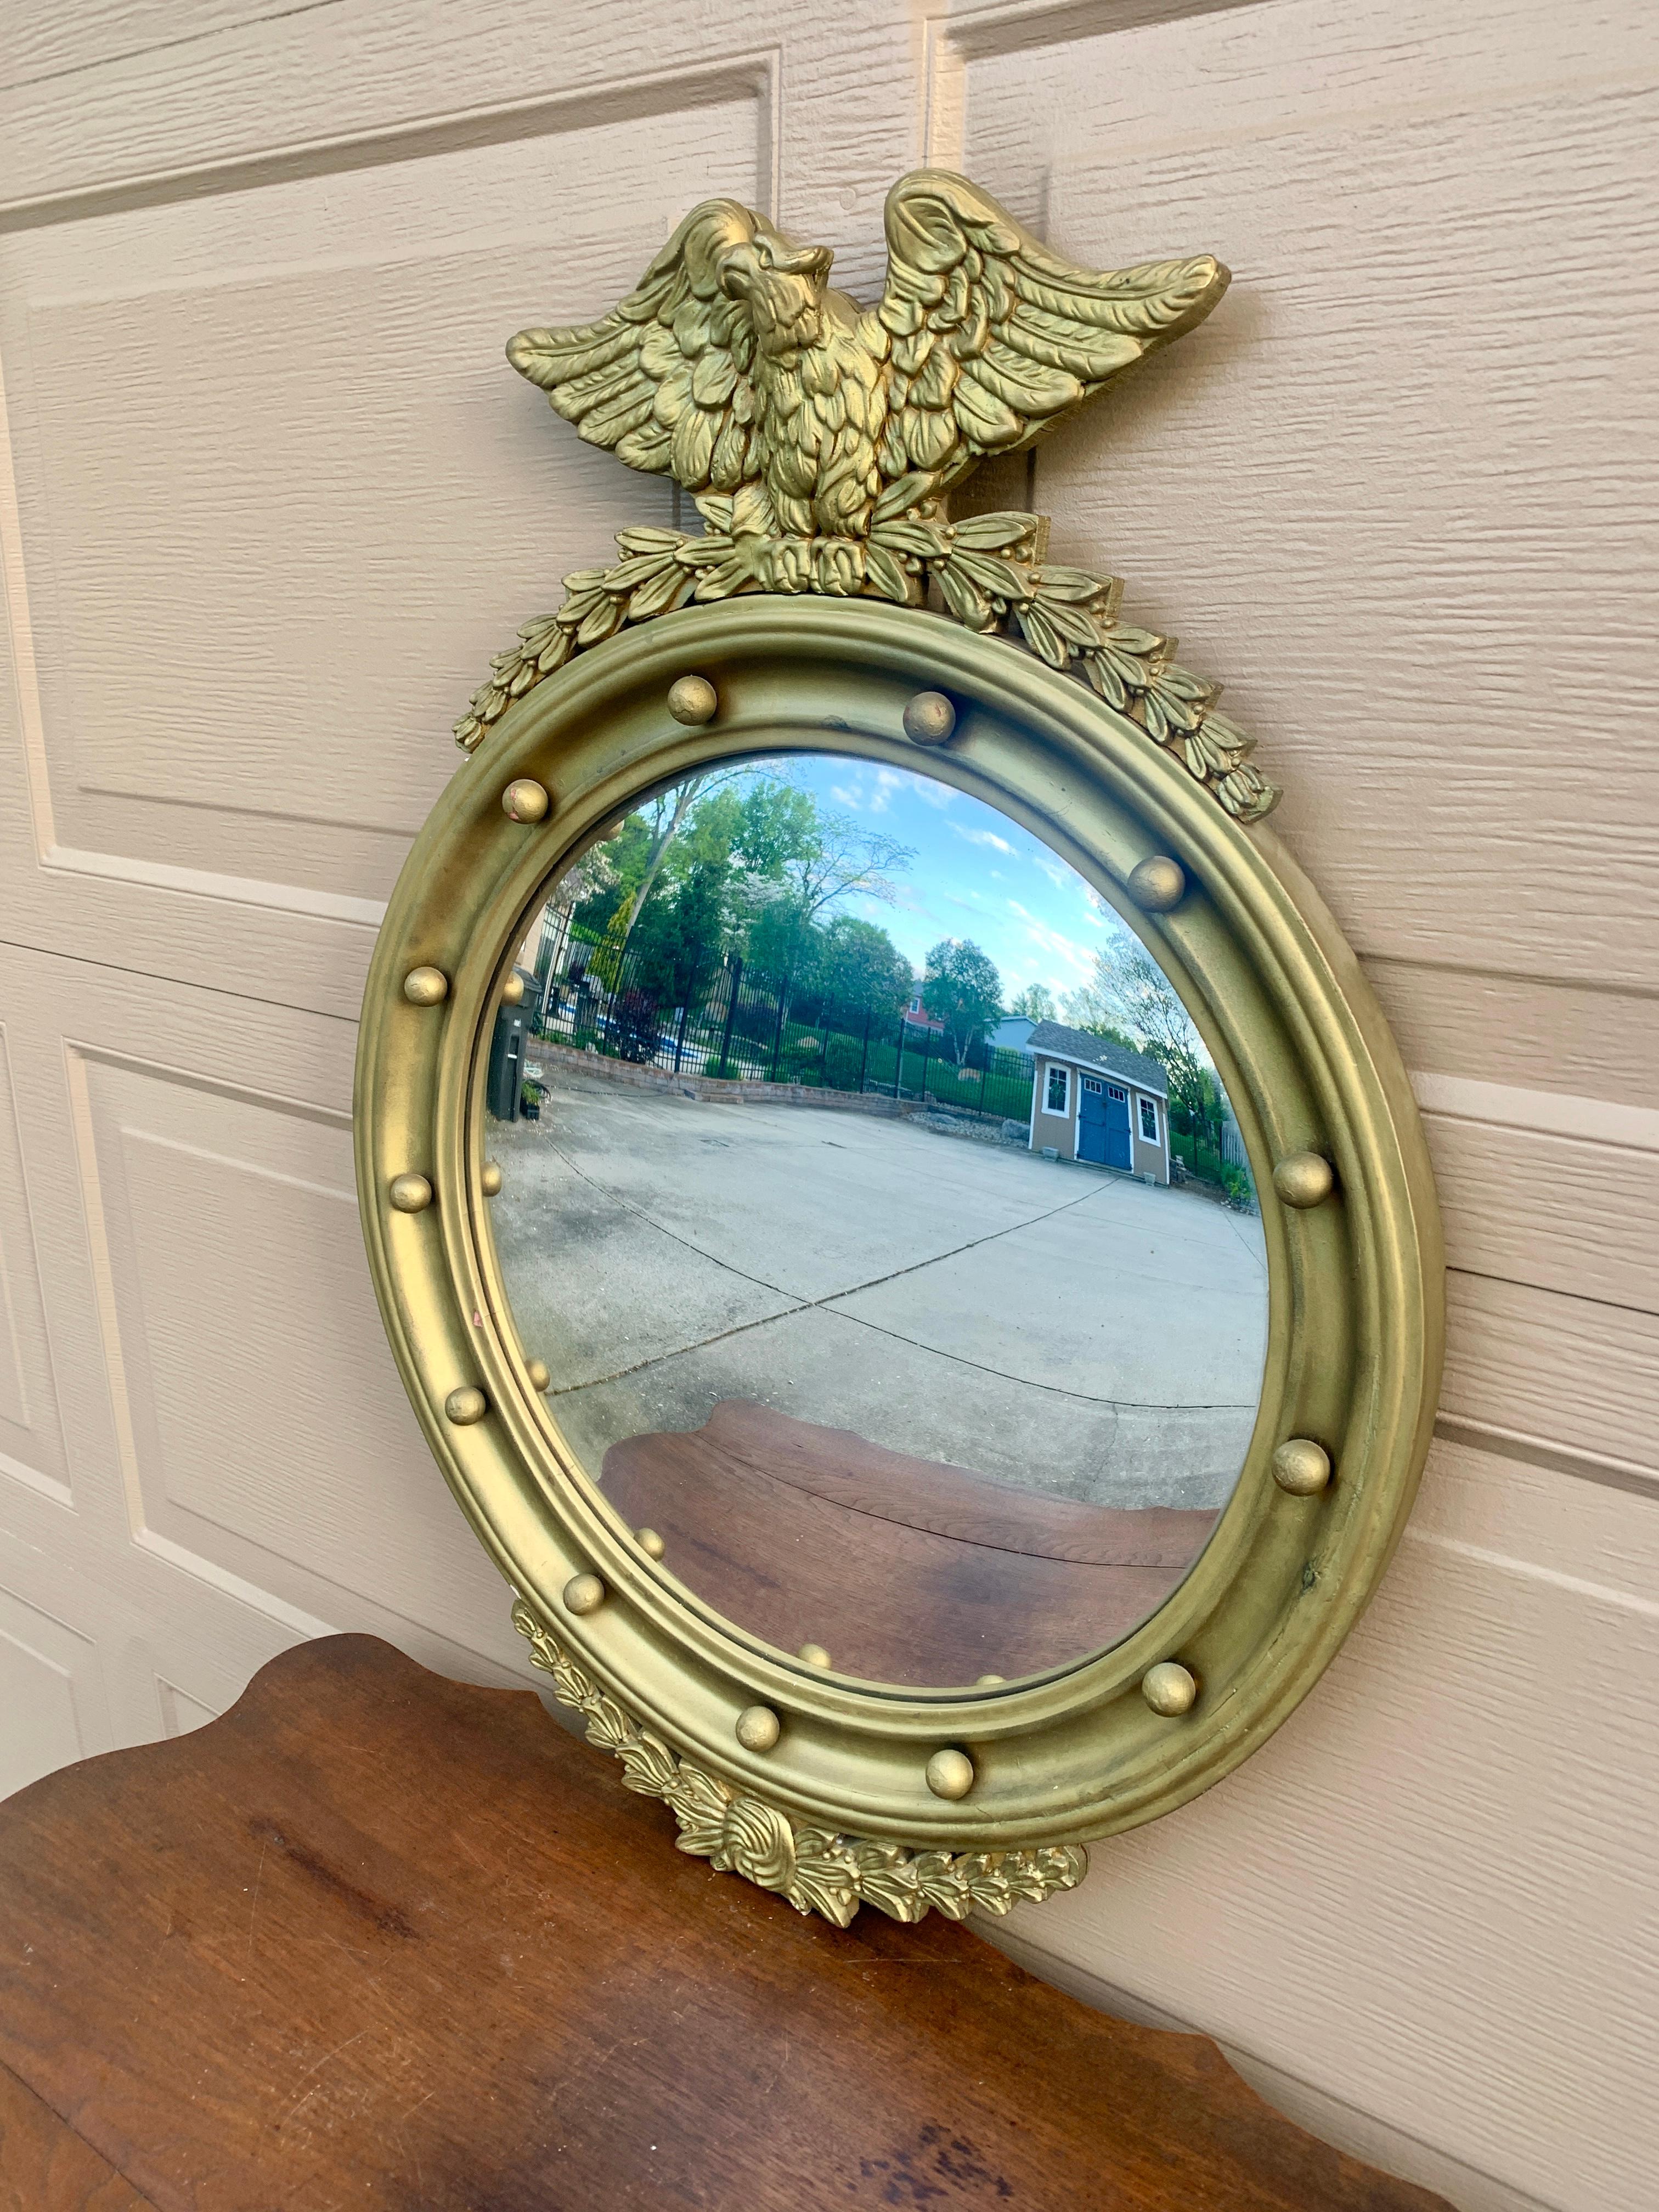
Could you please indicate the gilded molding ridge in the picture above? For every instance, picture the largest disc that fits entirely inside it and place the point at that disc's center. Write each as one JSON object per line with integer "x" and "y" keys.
{"x": 1356, "y": 1325}
{"x": 815, "y": 1870}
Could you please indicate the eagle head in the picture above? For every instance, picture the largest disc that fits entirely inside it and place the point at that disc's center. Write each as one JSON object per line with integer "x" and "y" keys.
{"x": 781, "y": 286}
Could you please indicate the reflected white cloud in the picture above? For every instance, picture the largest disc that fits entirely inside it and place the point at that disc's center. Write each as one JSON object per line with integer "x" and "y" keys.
{"x": 983, "y": 837}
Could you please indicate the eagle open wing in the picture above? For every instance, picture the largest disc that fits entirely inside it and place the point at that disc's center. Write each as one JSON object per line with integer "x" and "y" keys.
{"x": 992, "y": 336}
{"x": 663, "y": 378}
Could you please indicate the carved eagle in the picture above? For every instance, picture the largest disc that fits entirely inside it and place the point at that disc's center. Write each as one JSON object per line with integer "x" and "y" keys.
{"x": 734, "y": 368}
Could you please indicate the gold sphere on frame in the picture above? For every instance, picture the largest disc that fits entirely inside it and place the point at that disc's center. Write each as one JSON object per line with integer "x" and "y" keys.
{"x": 513, "y": 989}
{"x": 950, "y": 1774}
{"x": 1303, "y": 1179}
{"x": 815, "y": 1655}
{"x": 410, "y": 1193}
{"x": 426, "y": 987}
{"x": 650, "y": 1543}
{"x": 539, "y": 1377}
{"x": 693, "y": 701}
{"x": 1169, "y": 1689}
{"x": 465, "y": 1405}
{"x": 490, "y": 1178}
{"x": 1157, "y": 884}
{"x": 929, "y": 719}
{"x": 758, "y": 1728}
{"x": 525, "y": 800}
{"x": 584, "y": 1594}
{"x": 1302, "y": 1466}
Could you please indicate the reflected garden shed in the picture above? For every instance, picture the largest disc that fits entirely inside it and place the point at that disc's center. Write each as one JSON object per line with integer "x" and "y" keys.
{"x": 1096, "y": 1101}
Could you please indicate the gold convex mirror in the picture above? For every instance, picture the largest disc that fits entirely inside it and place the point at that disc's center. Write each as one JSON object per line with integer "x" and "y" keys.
{"x": 904, "y": 1226}
{"x": 926, "y": 1334}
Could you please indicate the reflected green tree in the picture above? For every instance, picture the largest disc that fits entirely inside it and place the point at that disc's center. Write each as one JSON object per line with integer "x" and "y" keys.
{"x": 1036, "y": 1003}
{"x": 962, "y": 988}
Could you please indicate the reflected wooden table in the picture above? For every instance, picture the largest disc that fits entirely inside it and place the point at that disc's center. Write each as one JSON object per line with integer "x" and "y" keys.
{"x": 378, "y": 1939}
{"x": 905, "y": 1571}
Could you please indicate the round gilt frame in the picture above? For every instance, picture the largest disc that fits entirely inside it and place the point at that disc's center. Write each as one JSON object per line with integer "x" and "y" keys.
{"x": 838, "y": 1810}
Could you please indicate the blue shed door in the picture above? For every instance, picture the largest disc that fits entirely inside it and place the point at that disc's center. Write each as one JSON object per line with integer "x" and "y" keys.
{"x": 1103, "y": 1124}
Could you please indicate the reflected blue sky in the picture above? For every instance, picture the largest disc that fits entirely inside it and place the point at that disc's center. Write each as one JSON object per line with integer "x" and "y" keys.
{"x": 976, "y": 874}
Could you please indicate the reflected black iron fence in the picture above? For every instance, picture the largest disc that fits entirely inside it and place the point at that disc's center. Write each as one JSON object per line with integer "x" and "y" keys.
{"x": 721, "y": 1018}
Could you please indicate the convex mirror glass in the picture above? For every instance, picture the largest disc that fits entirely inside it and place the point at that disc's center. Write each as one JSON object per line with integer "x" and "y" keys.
{"x": 881, "y": 1220}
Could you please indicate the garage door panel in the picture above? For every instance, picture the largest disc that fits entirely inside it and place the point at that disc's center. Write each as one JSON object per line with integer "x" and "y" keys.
{"x": 51, "y": 1691}
{"x": 279, "y": 1446}
{"x": 281, "y": 498}
{"x": 31, "y": 1433}
{"x": 1416, "y": 386}
{"x": 161, "y": 1123}
{"x": 1569, "y": 1372}
{"x": 1563, "y": 1214}
{"x": 1446, "y": 790}
{"x": 52, "y": 44}
{"x": 1520, "y": 1031}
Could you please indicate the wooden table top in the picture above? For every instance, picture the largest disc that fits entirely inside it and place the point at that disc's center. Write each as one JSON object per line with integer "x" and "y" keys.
{"x": 379, "y": 1939}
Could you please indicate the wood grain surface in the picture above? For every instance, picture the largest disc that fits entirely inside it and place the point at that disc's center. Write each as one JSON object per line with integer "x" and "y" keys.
{"x": 44, "y": 2166}
{"x": 907, "y": 1570}
{"x": 381, "y": 1939}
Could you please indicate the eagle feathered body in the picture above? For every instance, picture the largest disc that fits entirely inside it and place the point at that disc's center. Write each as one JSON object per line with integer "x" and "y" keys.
{"x": 821, "y": 412}
{"x": 735, "y": 369}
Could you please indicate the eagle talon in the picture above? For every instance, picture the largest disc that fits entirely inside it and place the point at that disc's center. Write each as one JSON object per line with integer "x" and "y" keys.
{"x": 839, "y": 569}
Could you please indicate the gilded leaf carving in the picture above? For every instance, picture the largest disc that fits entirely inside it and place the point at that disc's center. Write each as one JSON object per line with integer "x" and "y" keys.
{"x": 820, "y": 440}
{"x": 990, "y": 577}
{"x": 817, "y": 1872}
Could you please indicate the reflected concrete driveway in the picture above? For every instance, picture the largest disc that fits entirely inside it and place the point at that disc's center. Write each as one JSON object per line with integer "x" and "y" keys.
{"x": 1045, "y": 1324}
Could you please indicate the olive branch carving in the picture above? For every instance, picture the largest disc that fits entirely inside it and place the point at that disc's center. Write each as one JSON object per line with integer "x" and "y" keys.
{"x": 990, "y": 576}
{"x": 815, "y": 1870}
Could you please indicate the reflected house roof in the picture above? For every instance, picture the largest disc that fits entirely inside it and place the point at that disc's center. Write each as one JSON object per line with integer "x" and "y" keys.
{"x": 1055, "y": 1042}
{"x": 1013, "y": 1033}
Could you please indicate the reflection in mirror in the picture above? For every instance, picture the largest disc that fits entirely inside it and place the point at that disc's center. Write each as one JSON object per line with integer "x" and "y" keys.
{"x": 881, "y": 1220}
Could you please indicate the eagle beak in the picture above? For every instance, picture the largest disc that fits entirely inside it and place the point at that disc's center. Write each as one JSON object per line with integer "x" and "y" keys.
{"x": 812, "y": 262}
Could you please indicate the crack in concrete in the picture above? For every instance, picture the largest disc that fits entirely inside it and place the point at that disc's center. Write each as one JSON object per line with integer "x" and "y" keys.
{"x": 832, "y": 1298}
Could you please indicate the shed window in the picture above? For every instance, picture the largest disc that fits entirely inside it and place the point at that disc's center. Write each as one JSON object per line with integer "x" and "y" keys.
{"x": 1055, "y": 1102}
{"x": 1149, "y": 1121}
